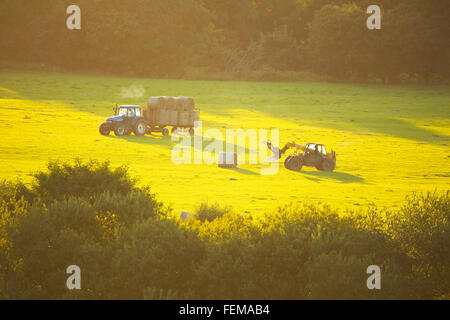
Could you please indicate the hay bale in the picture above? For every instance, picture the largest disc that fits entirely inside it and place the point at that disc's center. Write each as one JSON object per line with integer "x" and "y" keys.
{"x": 155, "y": 103}
{"x": 228, "y": 160}
{"x": 193, "y": 116}
{"x": 183, "y": 118}
{"x": 149, "y": 116}
{"x": 169, "y": 103}
{"x": 189, "y": 104}
{"x": 166, "y": 102}
{"x": 173, "y": 117}
{"x": 146, "y": 114}
{"x": 184, "y": 104}
{"x": 179, "y": 103}
{"x": 162, "y": 117}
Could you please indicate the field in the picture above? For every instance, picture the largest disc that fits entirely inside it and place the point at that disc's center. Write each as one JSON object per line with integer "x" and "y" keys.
{"x": 390, "y": 141}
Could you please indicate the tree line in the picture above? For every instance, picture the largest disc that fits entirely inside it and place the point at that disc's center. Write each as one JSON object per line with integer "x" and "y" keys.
{"x": 235, "y": 39}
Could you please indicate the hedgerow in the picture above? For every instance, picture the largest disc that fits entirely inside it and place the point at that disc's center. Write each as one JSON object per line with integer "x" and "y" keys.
{"x": 129, "y": 246}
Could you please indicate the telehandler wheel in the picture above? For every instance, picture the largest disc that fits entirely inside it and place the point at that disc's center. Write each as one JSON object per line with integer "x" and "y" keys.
{"x": 105, "y": 129}
{"x": 327, "y": 165}
{"x": 295, "y": 164}
{"x": 140, "y": 128}
{"x": 286, "y": 162}
{"x": 165, "y": 132}
{"x": 120, "y": 130}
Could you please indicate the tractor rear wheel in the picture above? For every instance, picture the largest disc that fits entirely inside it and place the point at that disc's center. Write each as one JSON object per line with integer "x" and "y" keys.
{"x": 105, "y": 129}
{"x": 328, "y": 165}
{"x": 120, "y": 130}
{"x": 295, "y": 164}
{"x": 140, "y": 128}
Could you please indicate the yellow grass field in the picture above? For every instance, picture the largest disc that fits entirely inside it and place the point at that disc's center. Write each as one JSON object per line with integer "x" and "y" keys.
{"x": 390, "y": 141}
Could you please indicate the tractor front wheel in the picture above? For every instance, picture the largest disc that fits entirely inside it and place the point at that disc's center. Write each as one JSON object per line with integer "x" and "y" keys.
{"x": 140, "y": 128}
{"x": 120, "y": 130}
{"x": 105, "y": 129}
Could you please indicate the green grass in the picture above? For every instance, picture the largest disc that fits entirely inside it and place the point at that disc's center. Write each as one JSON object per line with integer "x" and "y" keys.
{"x": 390, "y": 141}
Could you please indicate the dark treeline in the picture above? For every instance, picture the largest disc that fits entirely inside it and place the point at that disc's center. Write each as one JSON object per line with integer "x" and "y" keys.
{"x": 235, "y": 39}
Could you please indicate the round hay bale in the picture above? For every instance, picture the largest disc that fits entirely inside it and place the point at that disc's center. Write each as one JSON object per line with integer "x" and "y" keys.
{"x": 154, "y": 103}
{"x": 189, "y": 104}
{"x": 170, "y": 103}
{"x": 164, "y": 103}
{"x": 179, "y": 103}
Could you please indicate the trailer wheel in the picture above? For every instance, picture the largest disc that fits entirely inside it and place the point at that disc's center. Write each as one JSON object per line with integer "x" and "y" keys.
{"x": 140, "y": 128}
{"x": 165, "y": 132}
{"x": 173, "y": 129}
{"x": 120, "y": 130}
{"x": 105, "y": 129}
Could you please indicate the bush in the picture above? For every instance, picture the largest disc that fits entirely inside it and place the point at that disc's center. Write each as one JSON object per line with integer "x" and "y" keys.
{"x": 209, "y": 212}
{"x": 157, "y": 253}
{"x": 128, "y": 247}
{"x": 421, "y": 229}
{"x": 80, "y": 179}
{"x": 303, "y": 252}
{"x": 10, "y": 192}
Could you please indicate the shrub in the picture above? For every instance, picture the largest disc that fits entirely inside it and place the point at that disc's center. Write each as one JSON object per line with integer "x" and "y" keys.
{"x": 81, "y": 179}
{"x": 128, "y": 247}
{"x": 209, "y": 212}
{"x": 157, "y": 253}
{"x": 422, "y": 230}
{"x": 10, "y": 192}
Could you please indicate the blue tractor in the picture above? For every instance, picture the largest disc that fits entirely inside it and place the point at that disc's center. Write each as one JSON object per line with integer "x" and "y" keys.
{"x": 126, "y": 119}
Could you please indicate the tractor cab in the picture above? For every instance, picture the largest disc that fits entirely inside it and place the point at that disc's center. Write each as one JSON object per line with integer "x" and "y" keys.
{"x": 127, "y": 111}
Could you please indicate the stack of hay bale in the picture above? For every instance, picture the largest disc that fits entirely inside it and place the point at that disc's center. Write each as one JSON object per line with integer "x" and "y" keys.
{"x": 170, "y": 111}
